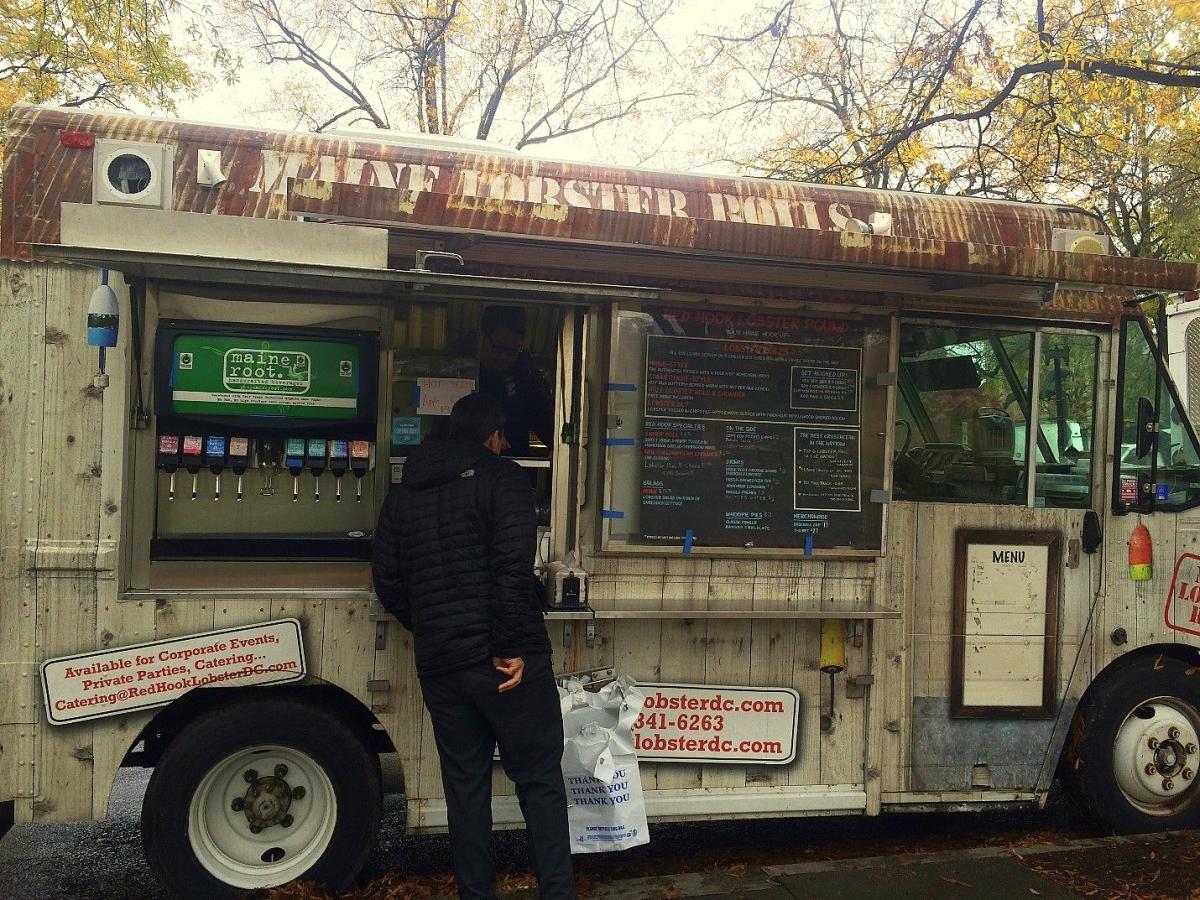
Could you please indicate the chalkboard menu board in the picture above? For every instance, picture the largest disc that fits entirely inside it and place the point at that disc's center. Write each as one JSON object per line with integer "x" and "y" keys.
{"x": 752, "y": 430}
{"x": 751, "y": 381}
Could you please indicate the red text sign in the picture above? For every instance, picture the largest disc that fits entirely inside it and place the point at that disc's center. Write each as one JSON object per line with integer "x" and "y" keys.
{"x": 705, "y": 723}
{"x": 1183, "y": 600}
{"x": 110, "y": 682}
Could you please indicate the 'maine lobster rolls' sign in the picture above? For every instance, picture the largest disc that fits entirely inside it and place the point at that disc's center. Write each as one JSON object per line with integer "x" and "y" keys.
{"x": 1183, "y": 599}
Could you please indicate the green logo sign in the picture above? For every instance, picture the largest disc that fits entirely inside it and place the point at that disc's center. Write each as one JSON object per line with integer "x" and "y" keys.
{"x": 239, "y": 375}
{"x": 267, "y": 371}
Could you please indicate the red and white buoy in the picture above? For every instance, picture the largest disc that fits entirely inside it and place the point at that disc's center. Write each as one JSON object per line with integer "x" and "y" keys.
{"x": 1141, "y": 554}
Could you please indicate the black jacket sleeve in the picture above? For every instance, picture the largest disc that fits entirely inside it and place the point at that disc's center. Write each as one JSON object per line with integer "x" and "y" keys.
{"x": 535, "y": 395}
{"x": 513, "y": 529}
{"x": 388, "y": 565}
{"x": 543, "y": 408}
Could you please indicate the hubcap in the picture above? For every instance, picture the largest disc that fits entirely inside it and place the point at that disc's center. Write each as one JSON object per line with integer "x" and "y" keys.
{"x": 1154, "y": 755}
{"x": 262, "y": 816}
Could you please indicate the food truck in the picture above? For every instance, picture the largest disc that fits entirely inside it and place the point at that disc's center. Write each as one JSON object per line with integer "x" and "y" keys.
{"x": 885, "y": 499}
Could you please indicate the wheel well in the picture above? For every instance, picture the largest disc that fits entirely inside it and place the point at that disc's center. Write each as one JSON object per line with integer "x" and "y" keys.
{"x": 1185, "y": 653}
{"x": 148, "y": 746}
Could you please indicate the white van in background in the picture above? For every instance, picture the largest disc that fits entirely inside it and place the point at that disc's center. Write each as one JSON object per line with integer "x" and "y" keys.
{"x": 1183, "y": 345}
{"x": 1074, "y": 439}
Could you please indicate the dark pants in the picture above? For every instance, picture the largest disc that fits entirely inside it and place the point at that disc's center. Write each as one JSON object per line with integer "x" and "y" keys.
{"x": 470, "y": 717}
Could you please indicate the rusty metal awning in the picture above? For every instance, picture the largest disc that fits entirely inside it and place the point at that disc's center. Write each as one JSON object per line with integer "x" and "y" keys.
{"x": 341, "y": 281}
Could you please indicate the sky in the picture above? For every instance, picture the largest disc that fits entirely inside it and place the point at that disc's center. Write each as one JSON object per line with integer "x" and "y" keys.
{"x": 658, "y": 140}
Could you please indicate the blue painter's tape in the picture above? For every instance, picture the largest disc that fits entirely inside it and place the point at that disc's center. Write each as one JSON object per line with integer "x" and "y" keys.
{"x": 688, "y": 538}
{"x": 611, "y": 514}
{"x": 808, "y": 545}
{"x": 618, "y": 388}
{"x": 416, "y": 396}
{"x": 618, "y": 442}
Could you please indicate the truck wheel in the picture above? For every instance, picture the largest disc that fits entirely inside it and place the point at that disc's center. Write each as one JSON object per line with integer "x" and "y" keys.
{"x": 1133, "y": 757}
{"x": 257, "y": 793}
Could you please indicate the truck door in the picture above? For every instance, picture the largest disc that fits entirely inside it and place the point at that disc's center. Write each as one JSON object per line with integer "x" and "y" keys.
{"x": 998, "y": 460}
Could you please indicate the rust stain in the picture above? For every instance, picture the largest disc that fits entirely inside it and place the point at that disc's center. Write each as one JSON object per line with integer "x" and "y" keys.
{"x": 312, "y": 190}
{"x": 279, "y": 174}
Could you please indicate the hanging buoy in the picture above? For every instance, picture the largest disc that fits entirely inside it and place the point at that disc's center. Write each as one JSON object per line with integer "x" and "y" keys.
{"x": 833, "y": 646}
{"x": 833, "y": 660}
{"x": 1141, "y": 554}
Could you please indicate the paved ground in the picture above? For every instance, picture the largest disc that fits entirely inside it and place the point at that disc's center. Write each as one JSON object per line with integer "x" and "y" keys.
{"x": 1050, "y": 855}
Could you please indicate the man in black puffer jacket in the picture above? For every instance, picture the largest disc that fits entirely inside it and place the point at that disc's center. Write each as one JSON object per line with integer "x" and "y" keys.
{"x": 453, "y": 560}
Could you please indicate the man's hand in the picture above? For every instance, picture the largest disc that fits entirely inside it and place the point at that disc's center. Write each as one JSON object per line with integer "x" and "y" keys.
{"x": 513, "y": 667}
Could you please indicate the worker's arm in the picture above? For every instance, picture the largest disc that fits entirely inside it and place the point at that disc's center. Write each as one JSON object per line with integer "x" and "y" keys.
{"x": 514, "y": 538}
{"x": 537, "y": 397}
{"x": 388, "y": 569}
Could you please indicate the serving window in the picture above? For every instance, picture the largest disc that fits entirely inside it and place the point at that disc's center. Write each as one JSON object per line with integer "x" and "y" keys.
{"x": 735, "y": 429}
{"x": 516, "y": 353}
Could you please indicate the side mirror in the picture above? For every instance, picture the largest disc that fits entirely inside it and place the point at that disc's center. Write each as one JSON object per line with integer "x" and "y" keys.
{"x": 1146, "y": 424}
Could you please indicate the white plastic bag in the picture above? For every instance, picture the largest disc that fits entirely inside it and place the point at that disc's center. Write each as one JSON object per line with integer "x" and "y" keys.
{"x": 605, "y": 807}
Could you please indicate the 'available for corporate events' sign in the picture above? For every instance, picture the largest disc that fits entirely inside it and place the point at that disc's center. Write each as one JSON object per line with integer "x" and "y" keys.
{"x": 110, "y": 682}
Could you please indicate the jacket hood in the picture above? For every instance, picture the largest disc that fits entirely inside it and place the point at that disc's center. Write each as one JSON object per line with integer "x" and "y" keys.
{"x": 438, "y": 462}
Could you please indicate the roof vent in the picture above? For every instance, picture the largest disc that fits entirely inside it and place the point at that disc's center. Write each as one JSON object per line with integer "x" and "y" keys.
{"x": 128, "y": 173}
{"x": 1069, "y": 240}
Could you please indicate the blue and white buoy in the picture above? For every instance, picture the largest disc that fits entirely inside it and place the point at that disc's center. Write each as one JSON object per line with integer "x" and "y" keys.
{"x": 103, "y": 317}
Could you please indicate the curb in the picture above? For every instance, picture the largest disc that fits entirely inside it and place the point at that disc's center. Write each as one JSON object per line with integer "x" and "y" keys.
{"x": 766, "y": 878}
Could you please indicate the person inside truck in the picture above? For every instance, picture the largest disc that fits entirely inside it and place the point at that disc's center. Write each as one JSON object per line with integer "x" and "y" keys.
{"x": 507, "y": 373}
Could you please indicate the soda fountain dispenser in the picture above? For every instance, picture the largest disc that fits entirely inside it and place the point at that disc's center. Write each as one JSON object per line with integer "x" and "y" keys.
{"x": 193, "y": 457}
{"x": 339, "y": 462}
{"x": 316, "y": 464}
{"x": 294, "y": 460}
{"x": 232, "y": 397}
{"x": 360, "y": 464}
{"x": 267, "y": 453}
{"x": 168, "y": 459}
{"x": 214, "y": 458}
{"x": 239, "y": 459}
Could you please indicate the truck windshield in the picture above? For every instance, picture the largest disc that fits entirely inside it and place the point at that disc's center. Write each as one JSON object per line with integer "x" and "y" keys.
{"x": 1164, "y": 473}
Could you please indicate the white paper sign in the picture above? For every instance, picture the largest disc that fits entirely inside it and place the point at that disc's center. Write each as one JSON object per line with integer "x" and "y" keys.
{"x": 111, "y": 682}
{"x": 436, "y": 396}
{"x": 1005, "y": 625}
{"x": 704, "y": 723}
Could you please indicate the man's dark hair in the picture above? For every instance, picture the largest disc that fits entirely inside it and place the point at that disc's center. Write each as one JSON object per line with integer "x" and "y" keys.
{"x": 510, "y": 317}
{"x": 476, "y": 417}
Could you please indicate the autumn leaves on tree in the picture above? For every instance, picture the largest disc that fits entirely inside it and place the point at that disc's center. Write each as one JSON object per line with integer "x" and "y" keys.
{"x": 1086, "y": 103}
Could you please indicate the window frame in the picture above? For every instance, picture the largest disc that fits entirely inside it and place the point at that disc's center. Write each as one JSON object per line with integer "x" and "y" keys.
{"x": 1033, "y": 423}
{"x": 1162, "y": 379}
{"x": 604, "y": 544}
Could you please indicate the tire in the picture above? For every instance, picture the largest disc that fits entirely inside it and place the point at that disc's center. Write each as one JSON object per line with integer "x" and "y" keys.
{"x": 242, "y": 765}
{"x": 1132, "y": 761}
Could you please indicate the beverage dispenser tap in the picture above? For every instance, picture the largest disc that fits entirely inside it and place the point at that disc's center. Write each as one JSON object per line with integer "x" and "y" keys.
{"x": 267, "y": 452}
{"x": 316, "y": 464}
{"x": 360, "y": 464}
{"x": 214, "y": 456}
{"x": 294, "y": 460}
{"x": 168, "y": 459}
{"x": 193, "y": 457}
{"x": 339, "y": 461}
{"x": 239, "y": 459}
